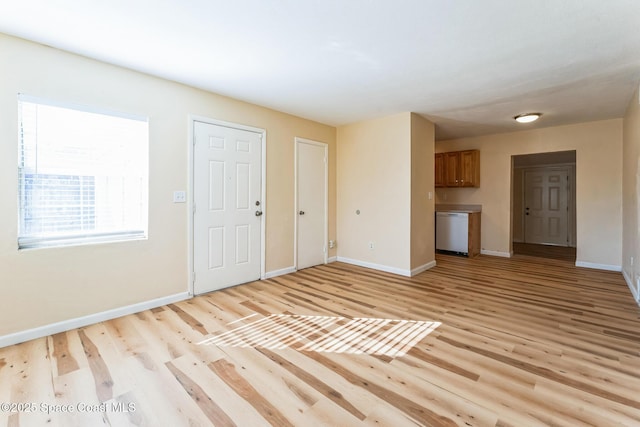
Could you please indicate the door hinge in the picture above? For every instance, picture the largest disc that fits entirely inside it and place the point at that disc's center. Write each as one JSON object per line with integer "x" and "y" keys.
{"x": 193, "y": 277}
{"x": 194, "y": 140}
{"x": 194, "y": 208}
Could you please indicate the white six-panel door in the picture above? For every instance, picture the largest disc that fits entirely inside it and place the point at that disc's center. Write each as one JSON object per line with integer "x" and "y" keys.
{"x": 311, "y": 197}
{"x": 227, "y": 193}
{"x": 546, "y": 206}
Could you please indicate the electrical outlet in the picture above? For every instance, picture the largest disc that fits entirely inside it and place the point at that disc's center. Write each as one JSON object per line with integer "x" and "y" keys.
{"x": 332, "y": 244}
{"x": 371, "y": 246}
{"x": 179, "y": 196}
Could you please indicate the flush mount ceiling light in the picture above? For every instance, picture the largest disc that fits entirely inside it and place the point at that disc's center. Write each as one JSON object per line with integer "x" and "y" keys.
{"x": 527, "y": 117}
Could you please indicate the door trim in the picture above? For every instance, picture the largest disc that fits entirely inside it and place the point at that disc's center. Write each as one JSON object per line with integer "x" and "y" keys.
{"x": 298, "y": 140}
{"x": 192, "y": 118}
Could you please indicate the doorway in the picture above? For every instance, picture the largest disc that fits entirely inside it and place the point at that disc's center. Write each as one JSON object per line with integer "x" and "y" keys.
{"x": 228, "y": 205}
{"x": 311, "y": 196}
{"x": 543, "y": 204}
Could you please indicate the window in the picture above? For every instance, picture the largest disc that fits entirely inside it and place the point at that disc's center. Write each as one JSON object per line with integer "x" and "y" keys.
{"x": 82, "y": 175}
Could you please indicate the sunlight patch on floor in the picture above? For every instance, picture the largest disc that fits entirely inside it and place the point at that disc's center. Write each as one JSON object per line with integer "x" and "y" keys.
{"x": 328, "y": 334}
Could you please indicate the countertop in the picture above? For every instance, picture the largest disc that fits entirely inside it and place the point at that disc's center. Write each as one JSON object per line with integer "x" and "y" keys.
{"x": 458, "y": 208}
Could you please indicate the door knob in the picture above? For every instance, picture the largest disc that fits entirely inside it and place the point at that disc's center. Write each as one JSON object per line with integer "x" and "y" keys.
{"x": 301, "y": 212}
{"x": 258, "y": 213}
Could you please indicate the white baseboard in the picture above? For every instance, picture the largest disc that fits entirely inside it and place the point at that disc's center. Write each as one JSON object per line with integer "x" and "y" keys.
{"x": 79, "y": 322}
{"x": 422, "y": 268}
{"x": 373, "y": 266}
{"x": 281, "y": 272}
{"x": 596, "y": 266}
{"x": 496, "y": 253}
{"x": 634, "y": 291}
{"x": 332, "y": 259}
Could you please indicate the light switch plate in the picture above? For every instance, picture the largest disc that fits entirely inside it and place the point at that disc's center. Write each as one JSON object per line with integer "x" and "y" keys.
{"x": 179, "y": 197}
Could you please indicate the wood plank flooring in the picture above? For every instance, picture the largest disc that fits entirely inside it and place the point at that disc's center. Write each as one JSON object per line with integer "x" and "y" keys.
{"x": 545, "y": 251}
{"x": 473, "y": 342}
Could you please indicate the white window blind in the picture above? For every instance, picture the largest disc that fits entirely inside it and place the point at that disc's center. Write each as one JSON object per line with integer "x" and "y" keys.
{"x": 82, "y": 175}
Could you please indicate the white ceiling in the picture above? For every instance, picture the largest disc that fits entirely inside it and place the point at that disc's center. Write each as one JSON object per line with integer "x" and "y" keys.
{"x": 467, "y": 65}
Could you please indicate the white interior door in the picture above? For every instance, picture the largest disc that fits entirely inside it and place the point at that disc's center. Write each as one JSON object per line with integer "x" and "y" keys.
{"x": 311, "y": 196}
{"x": 227, "y": 216}
{"x": 546, "y": 206}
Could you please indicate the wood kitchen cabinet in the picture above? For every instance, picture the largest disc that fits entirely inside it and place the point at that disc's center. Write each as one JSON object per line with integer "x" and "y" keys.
{"x": 474, "y": 234}
{"x": 457, "y": 169}
{"x": 452, "y": 169}
{"x": 439, "y": 167}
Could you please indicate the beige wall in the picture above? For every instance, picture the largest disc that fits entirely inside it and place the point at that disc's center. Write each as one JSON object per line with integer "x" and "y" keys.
{"x": 374, "y": 175}
{"x": 422, "y": 183}
{"x": 385, "y": 170}
{"x": 598, "y": 148}
{"x": 631, "y": 193}
{"x": 44, "y": 286}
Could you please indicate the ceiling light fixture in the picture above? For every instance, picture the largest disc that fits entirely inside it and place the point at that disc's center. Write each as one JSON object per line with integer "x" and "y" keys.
{"x": 527, "y": 117}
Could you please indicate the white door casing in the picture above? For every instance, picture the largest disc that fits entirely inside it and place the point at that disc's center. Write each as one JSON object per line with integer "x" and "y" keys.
{"x": 546, "y": 208}
{"x": 311, "y": 202}
{"x": 228, "y": 204}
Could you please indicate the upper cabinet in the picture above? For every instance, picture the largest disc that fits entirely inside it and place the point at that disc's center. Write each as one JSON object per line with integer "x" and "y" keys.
{"x": 457, "y": 169}
{"x": 439, "y": 166}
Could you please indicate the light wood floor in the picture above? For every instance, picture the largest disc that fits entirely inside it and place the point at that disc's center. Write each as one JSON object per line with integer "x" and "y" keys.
{"x": 517, "y": 342}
